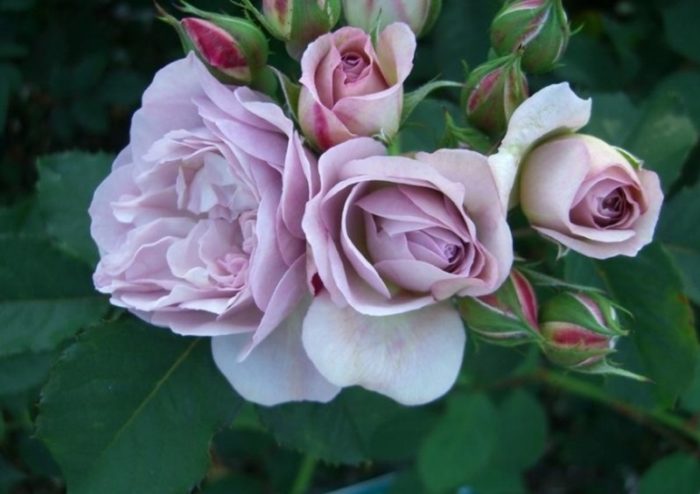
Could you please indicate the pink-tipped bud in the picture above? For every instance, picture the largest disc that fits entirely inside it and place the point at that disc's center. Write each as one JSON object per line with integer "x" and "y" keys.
{"x": 217, "y": 48}
{"x": 233, "y": 48}
{"x": 580, "y": 330}
{"x": 494, "y": 90}
{"x": 537, "y": 28}
{"x": 420, "y": 15}
{"x": 508, "y": 316}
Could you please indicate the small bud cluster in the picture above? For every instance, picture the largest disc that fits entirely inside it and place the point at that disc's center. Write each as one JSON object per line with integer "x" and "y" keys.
{"x": 575, "y": 330}
{"x": 526, "y": 36}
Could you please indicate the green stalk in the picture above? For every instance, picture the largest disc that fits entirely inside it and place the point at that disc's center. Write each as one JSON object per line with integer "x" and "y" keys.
{"x": 305, "y": 475}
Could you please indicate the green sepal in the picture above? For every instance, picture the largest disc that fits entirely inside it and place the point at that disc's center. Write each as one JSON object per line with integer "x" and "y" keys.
{"x": 413, "y": 99}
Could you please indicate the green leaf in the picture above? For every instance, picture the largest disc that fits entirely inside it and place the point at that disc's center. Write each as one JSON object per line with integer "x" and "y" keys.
{"x": 611, "y": 117}
{"x": 691, "y": 398}
{"x": 343, "y": 431}
{"x": 678, "y": 230}
{"x": 684, "y": 83}
{"x": 461, "y": 444}
{"x": 21, "y": 372}
{"x": 664, "y": 120}
{"x": 132, "y": 408}
{"x": 662, "y": 328}
{"x": 682, "y": 34}
{"x": 423, "y": 131}
{"x": 522, "y": 433}
{"x": 290, "y": 91}
{"x": 66, "y": 184}
{"x": 413, "y": 99}
{"x": 46, "y": 295}
{"x": 677, "y": 474}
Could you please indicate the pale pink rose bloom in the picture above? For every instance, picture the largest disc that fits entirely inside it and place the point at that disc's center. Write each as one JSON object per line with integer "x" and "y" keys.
{"x": 199, "y": 229}
{"x": 552, "y": 110}
{"x": 349, "y": 89}
{"x": 392, "y": 240}
{"x": 588, "y": 196}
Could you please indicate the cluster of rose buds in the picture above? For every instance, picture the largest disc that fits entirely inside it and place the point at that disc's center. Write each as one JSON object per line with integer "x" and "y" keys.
{"x": 576, "y": 330}
{"x": 528, "y": 36}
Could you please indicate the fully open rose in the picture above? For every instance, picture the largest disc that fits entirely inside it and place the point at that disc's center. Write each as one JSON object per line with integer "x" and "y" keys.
{"x": 392, "y": 239}
{"x": 589, "y": 196}
{"x": 199, "y": 228}
{"x": 351, "y": 89}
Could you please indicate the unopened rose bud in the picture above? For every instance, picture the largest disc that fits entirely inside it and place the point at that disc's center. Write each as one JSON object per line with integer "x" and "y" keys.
{"x": 420, "y": 15}
{"x": 494, "y": 90}
{"x": 508, "y": 316}
{"x": 580, "y": 330}
{"x": 232, "y": 47}
{"x": 538, "y": 28}
{"x": 297, "y": 22}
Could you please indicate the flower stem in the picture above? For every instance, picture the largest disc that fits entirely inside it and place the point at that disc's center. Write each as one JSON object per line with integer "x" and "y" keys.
{"x": 594, "y": 393}
{"x": 302, "y": 483}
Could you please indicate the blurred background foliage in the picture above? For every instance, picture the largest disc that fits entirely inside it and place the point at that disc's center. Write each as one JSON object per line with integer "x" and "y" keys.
{"x": 71, "y": 74}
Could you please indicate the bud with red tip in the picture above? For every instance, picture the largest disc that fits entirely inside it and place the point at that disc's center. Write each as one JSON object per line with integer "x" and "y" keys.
{"x": 538, "y": 28}
{"x": 508, "y": 316}
{"x": 233, "y": 48}
{"x": 494, "y": 90}
{"x": 580, "y": 331}
{"x": 297, "y": 22}
{"x": 420, "y": 15}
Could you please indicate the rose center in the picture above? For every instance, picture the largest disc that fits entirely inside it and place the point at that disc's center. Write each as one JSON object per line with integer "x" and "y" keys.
{"x": 352, "y": 64}
{"x": 612, "y": 208}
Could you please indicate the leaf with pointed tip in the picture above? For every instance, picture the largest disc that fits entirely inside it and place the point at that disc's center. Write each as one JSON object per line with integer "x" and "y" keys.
{"x": 131, "y": 408}
{"x": 412, "y": 100}
{"x": 66, "y": 184}
{"x": 46, "y": 296}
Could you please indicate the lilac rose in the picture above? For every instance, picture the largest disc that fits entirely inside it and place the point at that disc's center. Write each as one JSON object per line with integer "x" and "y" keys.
{"x": 392, "y": 240}
{"x": 199, "y": 228}
{"x": 589, "y": 196}
{"x": 351, "y": 88}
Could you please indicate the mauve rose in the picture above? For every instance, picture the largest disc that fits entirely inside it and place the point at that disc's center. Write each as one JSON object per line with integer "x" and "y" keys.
{"x": 349, "y": 89}
{"x": 392, "y": 240}
{"x": 199, "y": 228}
{"x": 590, "y": 196}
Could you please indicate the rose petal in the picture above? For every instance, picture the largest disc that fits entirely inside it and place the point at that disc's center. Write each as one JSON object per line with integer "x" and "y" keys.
{"x": 278, "y": 371}
{"x": 413, "y": 358}
{"x": 555, "y": 108}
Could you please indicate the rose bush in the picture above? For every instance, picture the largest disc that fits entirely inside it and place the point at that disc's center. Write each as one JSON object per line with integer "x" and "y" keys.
{"x": 590, "y": 197}
{"x": 350, "y": 88}
{"x": 392, "y": 239}
{"x": 199, "y": 227}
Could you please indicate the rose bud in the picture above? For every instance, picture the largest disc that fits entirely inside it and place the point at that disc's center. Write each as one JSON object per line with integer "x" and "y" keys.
{"x": 537, "y": 27}
{"x": 234, "y": 49}
{"x": 494, "y": 90}
{"x": 420, "y": 15}
{"x": 579, "y": 330}
{"x": 297, "y": 22}
{"x": 351, "y": 88}
{"x": 589, "y": 196}
{"x": 508, "y": 316}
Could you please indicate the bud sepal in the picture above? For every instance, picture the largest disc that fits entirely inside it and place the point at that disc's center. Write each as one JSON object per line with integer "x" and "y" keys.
{"x": 538, "y": 28}
{"x": 580, "y": 331}
{"x": 493, "y": 91}
{"x": 506, "y": 317}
